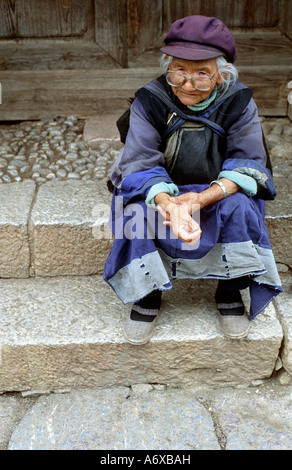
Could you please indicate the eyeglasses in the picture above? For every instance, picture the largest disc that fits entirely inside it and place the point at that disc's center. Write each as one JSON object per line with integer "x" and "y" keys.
{"x": 200, "y": 80}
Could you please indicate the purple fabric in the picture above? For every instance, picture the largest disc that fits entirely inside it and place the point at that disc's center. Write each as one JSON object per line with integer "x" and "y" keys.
{"x": 141, "y": 151}
{"x": 229, "y": 222}
{"x": 200, "y": 38}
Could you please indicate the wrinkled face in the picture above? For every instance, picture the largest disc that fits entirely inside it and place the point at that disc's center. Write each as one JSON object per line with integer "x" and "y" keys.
{"x": 186, "y": 93}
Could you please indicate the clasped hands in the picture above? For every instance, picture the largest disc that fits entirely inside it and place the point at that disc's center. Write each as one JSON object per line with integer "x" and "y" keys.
{"x": 177, "y": 212}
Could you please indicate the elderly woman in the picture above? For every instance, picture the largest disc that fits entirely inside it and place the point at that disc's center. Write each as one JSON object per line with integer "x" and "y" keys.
{"x": 203, "y": 178}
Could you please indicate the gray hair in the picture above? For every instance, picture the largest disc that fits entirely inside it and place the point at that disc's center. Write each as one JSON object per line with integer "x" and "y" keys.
{"x": 223, "y": 66}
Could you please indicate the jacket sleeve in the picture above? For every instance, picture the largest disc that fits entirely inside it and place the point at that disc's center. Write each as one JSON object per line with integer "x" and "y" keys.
{"x": 141, "y": 150}
{"x": 246, "y": 156}
{"x": 140, "y": 164}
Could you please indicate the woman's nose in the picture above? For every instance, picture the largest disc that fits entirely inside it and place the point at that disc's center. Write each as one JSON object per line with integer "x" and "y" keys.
{"x": 188, "y": 85}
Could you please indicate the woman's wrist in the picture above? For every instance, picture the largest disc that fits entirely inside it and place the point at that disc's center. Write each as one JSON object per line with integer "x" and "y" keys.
{"x": 163, "y": 199}
{"x": 215, "y": 192}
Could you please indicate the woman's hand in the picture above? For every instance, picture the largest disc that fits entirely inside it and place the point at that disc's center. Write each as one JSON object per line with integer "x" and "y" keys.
{"x": 183, "y": 225}
{"x": 179, "y": 218}
{"x": 191, "y": 200}
{"x": 197, "y": 201}
{"x": 178, "y": 210}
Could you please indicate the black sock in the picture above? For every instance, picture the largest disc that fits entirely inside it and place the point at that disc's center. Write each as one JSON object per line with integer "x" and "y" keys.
{"x": 136, "y": 316}
{"x": 149, "y": 304}
{"x": 150, "y": 301}
{"x": 235, "y": 311}
{"x": 229, "y": 301}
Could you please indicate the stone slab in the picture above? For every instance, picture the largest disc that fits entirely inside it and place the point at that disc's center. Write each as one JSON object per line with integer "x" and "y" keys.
{"x": 117, "y": 420}
{"x": 63, "y": 241}
{"x": 15, "y": 204}
{"x": 284, "y": 310}
{"x": 279, "y": 221}
{"x": 153, "y": 417}
{"x": 253, "y": 419}
{"x": 12, "y": 409}
{"x": 67, "y": 332}
{"x": 280, "y": 229}
{"x": 102, "y": 128}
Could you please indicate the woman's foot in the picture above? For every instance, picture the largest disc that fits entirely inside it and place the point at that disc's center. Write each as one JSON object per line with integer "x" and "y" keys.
{"x": 140, "y": 324}
{"x": 233, "y": 317}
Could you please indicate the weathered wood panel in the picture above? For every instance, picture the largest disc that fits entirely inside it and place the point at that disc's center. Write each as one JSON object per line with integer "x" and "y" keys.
{"x": 27, "y": 95}
{"x": 261, "y": 49}
{"x": 65, "y": 56}
{"x": 264, "y": 49}
{"x": 126, "y": 28}
{"x": 47, "y": 56}
{"x": 111, "y": 28}
{"x": 241, "y": 13}
{"x": 270, "y": 88}
{"x": 8, "y": 19}
{"x": 43, "y": 18}
{"x": 286, "y": 22}
{"x": 253, "y": 49}
{"x": 145, "y": 25}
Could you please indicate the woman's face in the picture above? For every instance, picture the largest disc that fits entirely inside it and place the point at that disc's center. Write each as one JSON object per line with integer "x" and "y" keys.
{"x": 186, "y": 93}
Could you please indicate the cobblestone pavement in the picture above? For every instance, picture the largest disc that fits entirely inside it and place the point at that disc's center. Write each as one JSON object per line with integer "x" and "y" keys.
{"x": 54, "y": 149}
{"x": 51, "y": 149}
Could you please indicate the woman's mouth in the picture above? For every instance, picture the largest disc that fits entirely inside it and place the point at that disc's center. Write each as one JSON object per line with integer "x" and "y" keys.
{"x": 189, "y": 95}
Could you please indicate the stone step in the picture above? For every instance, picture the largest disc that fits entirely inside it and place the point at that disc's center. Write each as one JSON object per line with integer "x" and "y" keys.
{"x": 51, "y": 230}
{"x": 48, "y": 230}
{"x": 67, "y": 332}
{"x": 279, "y": 221}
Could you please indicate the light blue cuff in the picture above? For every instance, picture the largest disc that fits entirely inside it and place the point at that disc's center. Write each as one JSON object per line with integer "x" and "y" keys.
{"x": 247, "y": 183}
{"x": 169, "y": 188}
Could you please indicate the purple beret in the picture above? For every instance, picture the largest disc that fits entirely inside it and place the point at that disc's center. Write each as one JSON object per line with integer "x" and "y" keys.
{"x": 199, "y": 38}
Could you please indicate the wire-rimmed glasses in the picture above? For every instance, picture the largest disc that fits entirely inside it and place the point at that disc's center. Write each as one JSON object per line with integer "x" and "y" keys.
{"x": 200, "y": 80}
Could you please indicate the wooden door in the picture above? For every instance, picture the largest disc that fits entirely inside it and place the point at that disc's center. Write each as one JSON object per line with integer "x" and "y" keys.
{"x": 43, "y": 18}
{"x": 133, "y": 27}
{"x": 88, "y": 56}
